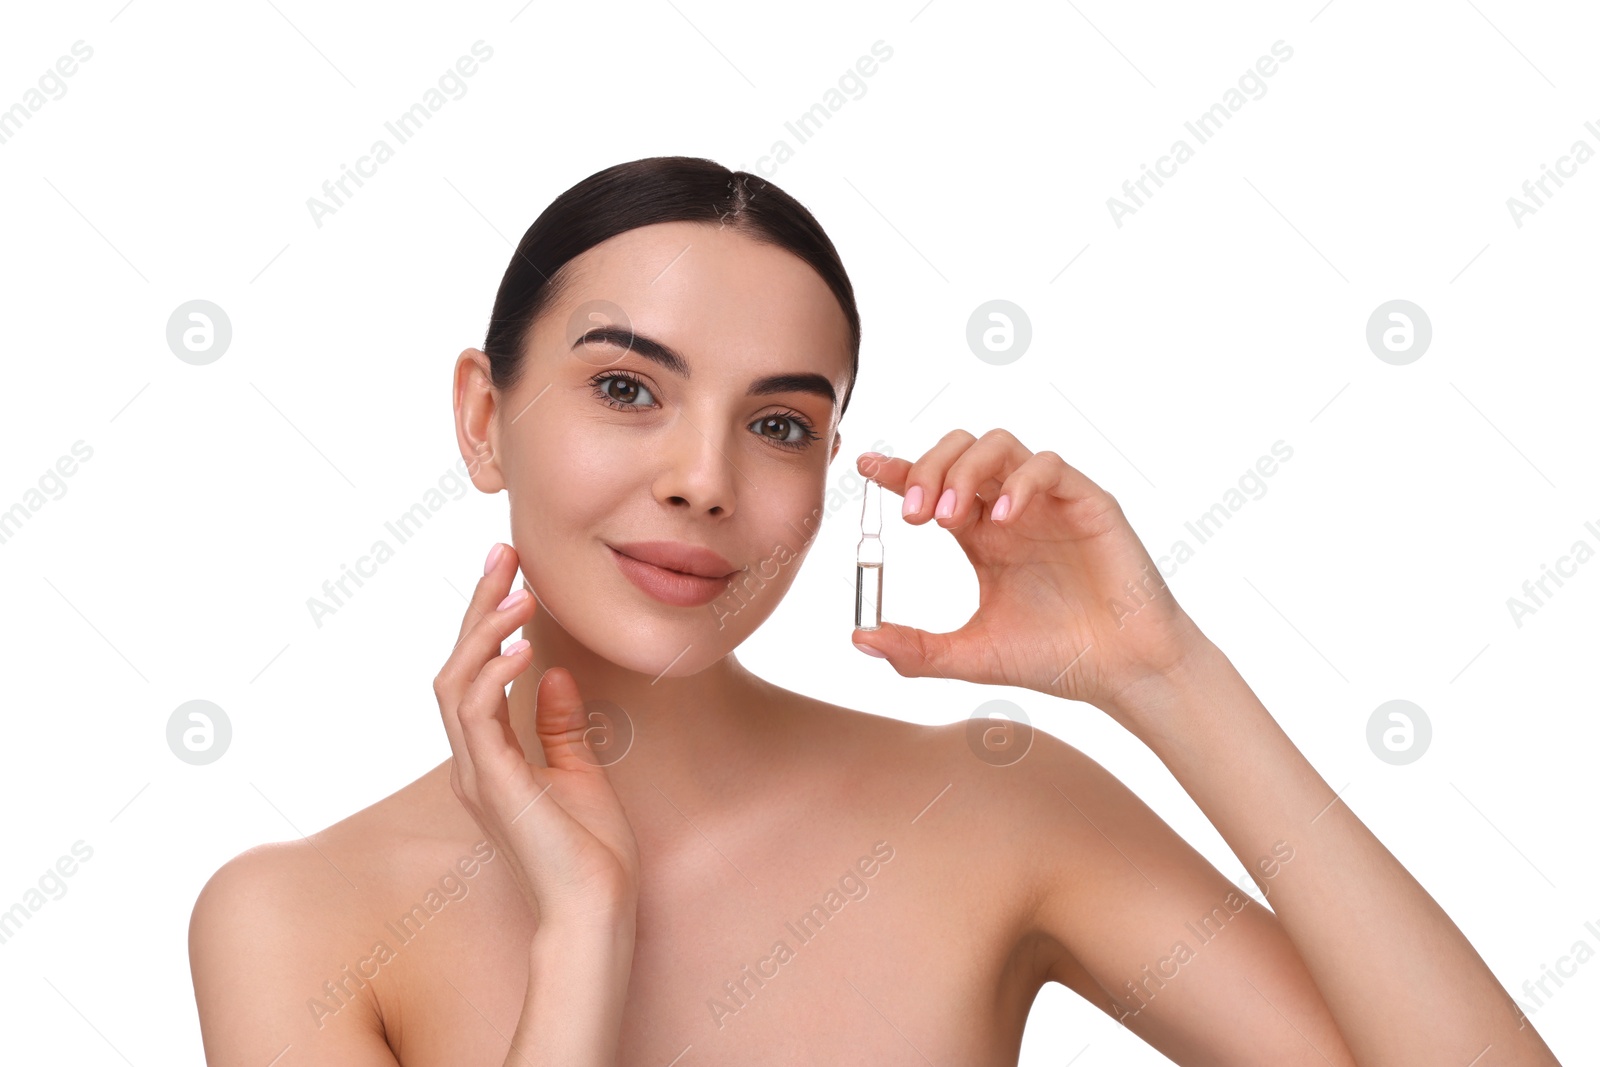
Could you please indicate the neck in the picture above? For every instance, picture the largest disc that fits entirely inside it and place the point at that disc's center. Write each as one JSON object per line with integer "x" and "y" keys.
{"x": 680, "y": 727}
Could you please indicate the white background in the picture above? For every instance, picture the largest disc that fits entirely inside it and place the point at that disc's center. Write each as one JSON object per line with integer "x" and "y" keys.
{"x": 1227, "y": 314}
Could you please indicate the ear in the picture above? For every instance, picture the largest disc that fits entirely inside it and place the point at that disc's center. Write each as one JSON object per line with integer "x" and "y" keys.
{"x": 475, "y": 400}
{"x": 838, "y": 439}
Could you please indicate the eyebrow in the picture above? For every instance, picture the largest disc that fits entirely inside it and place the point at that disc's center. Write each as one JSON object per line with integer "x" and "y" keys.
{"x": 667, "y": 357}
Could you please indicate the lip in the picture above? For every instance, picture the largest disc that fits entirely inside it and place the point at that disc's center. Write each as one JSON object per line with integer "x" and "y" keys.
{"x": 662, "y": 569}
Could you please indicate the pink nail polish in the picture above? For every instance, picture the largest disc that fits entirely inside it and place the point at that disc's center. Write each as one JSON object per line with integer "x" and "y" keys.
{"x": 913, "y": 503}
{"x": 516, "y": 596}
{"x": 494, "y": 557}
{"x": 1002, "y": 508}
{"x": 869, "y": 651}
{"x": 947, "y": 505}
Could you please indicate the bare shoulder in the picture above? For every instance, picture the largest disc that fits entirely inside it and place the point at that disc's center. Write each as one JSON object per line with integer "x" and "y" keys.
{"x": 276, "y": 929}
{"x": 349, "y": 859}
{"x": 1110, "y": 883}
{"x": 827, "y": 715}
{"x": 1005, "y": 821}
{"x": 976, "y": 784}
{"x": 265, "y": 933}
{"x": 1045, "y": 828}
{"x": 1073, "y": 827}
{"x": 865, "y": 747}
{"x": 992, "y": 764}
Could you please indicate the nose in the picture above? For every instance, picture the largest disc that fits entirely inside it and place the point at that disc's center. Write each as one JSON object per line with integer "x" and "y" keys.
{"x": 696, "y": 471}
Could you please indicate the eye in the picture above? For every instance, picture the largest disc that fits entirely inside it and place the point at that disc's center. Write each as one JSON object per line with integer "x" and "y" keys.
{"x": 799, "y": 437}
{"x": 785, "y": 429}
{"x": 631, "y": 389}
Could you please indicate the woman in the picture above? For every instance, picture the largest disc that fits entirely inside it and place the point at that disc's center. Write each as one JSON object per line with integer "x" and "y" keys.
{"x": 647, "y": 855}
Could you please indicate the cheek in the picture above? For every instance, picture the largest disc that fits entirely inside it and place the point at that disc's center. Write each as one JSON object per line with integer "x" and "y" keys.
{"x": 804, "y": 507}
{"x": 783, "y": 520}
{"x": 562, "y": 488}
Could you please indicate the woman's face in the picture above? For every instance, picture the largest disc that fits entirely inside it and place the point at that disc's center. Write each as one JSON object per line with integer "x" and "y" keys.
{"x": 603, "y": 445}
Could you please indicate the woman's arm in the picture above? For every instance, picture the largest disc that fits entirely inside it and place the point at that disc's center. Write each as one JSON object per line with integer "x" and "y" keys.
{"x": 1145, "y": 928}
{"x": 572, "y": 851}
{"x": 1403, "y": 983}
{"x": 577, "y": 982}
{"x": 1071, "y": 604}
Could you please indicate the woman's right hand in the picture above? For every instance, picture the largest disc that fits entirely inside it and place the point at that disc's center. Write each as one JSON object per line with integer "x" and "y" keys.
{"x": 572, "y": 849}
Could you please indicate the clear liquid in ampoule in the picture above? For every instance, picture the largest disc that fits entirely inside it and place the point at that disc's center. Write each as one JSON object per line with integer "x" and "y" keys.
{"x": 869, "y": 560}
{"x": 869, "y": 596}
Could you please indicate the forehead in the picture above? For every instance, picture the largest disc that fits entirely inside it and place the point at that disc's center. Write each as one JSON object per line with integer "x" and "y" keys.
{"x": 711, "y": 292}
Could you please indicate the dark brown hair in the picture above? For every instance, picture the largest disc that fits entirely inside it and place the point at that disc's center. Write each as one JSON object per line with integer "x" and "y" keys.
{"x": 640, "y": 193}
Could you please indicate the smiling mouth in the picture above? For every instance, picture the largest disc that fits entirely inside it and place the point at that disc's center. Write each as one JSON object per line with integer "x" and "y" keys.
{"x": 669, "y": 586}
{"x": 669, "y": 570}
{"x": 681, "y": 557}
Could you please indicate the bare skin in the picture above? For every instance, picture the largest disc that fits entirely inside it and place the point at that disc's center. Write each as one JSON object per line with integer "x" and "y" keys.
{"x": 645, "y": 859}
{"x": 792, "y": 825}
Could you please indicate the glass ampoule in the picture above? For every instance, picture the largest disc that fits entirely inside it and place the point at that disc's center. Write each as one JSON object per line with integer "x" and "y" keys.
{"x": 869, "y": 560}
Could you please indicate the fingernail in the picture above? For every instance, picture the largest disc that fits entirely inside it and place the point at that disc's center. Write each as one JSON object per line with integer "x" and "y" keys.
{"x": 913, "y": 502}
{"x": 1002, "y": 508}
{"x": 494, "y": 557}
{"x": 872, "y": 455}
{"x": 947, "y": 505}
{"x": 516, "y": 596}
{"x": 514, "y": 647}
{"x": 869, "y": 651}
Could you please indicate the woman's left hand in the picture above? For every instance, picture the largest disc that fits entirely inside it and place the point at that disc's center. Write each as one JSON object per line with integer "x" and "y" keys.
{"x": 1069, "y": 601}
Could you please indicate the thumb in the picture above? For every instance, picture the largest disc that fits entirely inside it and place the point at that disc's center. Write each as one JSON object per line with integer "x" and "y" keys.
{"x": 913, "y": 653}
{"x": 562, "y": 722}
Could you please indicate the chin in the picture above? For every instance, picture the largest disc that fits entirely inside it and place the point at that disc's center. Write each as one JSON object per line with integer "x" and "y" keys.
{"x": 658, "y": 648}
{"x": 606, "y": 613}
{"x": 650, "y": 639}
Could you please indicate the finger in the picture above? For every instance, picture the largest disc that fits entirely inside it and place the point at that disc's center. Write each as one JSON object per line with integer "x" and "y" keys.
{"x": 494, "y": 754}
{"x": 925, "y": 481}
{"x": 973, "y": 482}
{"x": 914, "y": 653}
{"x": 508, "y": 787}
{"x": 486, "y": 627}
{"x": 498, "y": 572}
{"x": 453, "y": 691}
{"x": 562, "y": 722}
{"x": 888, "y": 471}
{"x": 497, "y": 614}
{"x": 1046, "y": 473}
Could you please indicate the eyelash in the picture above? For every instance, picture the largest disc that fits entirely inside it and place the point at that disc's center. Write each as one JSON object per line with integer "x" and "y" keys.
{"x": 793, "y": 416}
